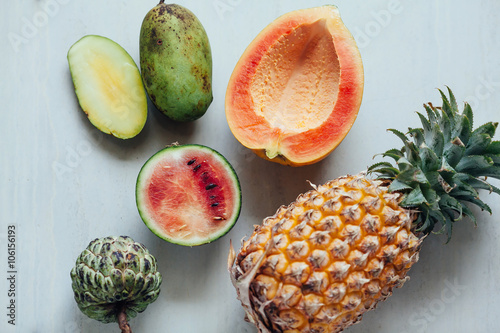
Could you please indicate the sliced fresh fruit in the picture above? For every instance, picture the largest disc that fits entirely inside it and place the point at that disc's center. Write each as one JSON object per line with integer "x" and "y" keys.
{"x": 296, "y": 90}
{"x": 108, "y": 86}
{"x": 321, "y": 262}
{"x": 114, "y": 279}
{"x": 188, "y": 194}
{"x": 176, "y": 62}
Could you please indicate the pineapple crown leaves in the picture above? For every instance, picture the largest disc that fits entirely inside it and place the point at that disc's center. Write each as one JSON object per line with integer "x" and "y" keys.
{"x": 442, "y": 165}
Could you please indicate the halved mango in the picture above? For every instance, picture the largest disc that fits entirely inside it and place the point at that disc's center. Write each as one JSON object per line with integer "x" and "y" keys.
{"x": 296, "y": 90}
{"x": 108, "y": 85}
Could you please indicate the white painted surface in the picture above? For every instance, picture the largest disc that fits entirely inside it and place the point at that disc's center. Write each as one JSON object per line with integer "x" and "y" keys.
{"x": 64, "y": 183}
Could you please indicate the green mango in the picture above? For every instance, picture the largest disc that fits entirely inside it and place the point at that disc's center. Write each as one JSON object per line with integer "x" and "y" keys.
{"x": 176, "y": 62}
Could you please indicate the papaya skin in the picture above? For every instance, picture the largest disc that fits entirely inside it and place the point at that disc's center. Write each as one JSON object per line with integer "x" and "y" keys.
{"x": 176, "y": 62}
{"x": 280, "y": 159}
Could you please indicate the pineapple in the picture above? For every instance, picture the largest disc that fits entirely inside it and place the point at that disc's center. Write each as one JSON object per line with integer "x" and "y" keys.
{"x": 319, "y": 263}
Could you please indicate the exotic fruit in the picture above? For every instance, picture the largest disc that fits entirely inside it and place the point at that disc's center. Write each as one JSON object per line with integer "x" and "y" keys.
{"x": 188, "y": 194}
{"x": 176, "y": 62}
{"x": 114, "y": 279}
{"x": 108, "y": 86}
{"x": 296, "y": 90}
{"x": 318, "y": 264}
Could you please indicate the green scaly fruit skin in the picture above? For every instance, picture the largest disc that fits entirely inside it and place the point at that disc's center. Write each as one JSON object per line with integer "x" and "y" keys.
{"x": 115, "y": 274}
{"x": 176, "y": 62}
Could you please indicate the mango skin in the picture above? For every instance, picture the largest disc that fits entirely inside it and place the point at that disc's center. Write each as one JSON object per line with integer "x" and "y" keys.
{"x": 176, "y": 62}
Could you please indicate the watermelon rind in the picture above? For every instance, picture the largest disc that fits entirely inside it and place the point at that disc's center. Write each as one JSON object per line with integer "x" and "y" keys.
{"x": 142, "y": 183}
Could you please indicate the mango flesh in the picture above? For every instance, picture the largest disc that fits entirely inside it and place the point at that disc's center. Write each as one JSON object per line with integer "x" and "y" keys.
{"x": 108, "y": 86}
{"x": 176, "y": 62}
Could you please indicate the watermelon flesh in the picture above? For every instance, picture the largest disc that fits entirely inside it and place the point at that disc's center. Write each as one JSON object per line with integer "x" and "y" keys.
{"x": 188, "y": 194}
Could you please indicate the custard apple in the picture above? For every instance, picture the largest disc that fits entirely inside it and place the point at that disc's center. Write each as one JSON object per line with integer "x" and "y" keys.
{"x": 115, "y": 278}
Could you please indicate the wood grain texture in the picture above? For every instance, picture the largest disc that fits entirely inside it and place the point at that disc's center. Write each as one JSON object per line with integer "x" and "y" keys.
{"x": 64, "y": 183}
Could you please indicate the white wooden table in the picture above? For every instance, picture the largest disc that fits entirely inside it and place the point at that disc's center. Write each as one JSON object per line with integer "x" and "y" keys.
{"x": 63, "y": 183}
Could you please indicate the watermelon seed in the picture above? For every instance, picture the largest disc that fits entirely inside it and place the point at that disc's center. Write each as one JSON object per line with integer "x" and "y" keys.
{"x": 218, "y": 210}
{"x": 210, "y": 186}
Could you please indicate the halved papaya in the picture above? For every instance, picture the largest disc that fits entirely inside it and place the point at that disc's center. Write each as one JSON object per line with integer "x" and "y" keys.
{"x": 188, "y": 194}
{"x": 296, "y": 90}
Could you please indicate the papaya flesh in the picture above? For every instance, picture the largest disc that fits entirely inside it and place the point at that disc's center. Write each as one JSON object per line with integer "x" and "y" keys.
{"x": 296, "y": 91}
{"x": 176, "y": 62}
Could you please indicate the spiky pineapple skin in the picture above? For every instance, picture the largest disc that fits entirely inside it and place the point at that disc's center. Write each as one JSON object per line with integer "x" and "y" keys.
{"x": 300, "y": 273}
{"x": 318, "y": 264}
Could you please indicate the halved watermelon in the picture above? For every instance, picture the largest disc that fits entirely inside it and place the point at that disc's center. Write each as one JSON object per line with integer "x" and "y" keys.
{"x": 108, "y": 86}
{"x": 188, "y": 194}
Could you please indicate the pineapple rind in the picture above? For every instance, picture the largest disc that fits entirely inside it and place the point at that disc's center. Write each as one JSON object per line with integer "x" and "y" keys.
{"x": 318, "y": 264}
